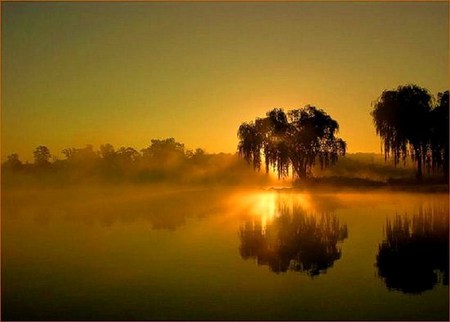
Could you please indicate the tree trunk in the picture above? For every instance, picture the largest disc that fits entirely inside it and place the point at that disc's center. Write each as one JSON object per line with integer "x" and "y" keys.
{"x": 419, "y": 165}
{"x": 446, "y": 164}
{"x": 297, "y": 166}
{"x": 302, "y": 172}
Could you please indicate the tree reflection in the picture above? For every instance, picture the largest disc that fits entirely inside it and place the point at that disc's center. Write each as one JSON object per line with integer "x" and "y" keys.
{"x": 414, "y": 256}
{"x": 294, "y": 240}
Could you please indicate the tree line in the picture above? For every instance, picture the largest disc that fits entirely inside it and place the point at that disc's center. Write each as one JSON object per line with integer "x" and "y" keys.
{"x": 409, "y": 121}
{"x": 163, "y": 160}
{"x": 166, "y": 149}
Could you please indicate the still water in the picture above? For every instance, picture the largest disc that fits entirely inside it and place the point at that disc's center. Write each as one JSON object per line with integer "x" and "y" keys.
{"x": 192, "y": 254}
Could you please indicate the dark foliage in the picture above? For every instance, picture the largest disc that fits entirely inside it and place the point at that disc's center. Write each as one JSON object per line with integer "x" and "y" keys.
{"x": 294, "y": 140}
{"x": 162, "y": 161}
{"x": 410, "y": 125}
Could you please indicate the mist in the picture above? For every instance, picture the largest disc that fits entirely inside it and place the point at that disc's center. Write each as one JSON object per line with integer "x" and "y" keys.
{"x": 166, "y": 162}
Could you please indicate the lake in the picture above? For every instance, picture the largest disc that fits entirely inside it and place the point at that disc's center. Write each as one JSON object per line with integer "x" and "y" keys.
{"x": 158, "y": 253}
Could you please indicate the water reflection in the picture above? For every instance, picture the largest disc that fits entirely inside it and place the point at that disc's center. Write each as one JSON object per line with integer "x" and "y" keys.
{"x": 414, "y": 256}
{"x": 157, "y": 208}
{"x": 294, "y": 240}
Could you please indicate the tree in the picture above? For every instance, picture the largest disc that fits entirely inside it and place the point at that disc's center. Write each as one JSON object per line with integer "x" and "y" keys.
{"x": 440, "y": 134}
{"x": 84, "y": 155}
{"x": 196, "y": 157}
{"x": 128, "y": 154}
{"x": 294, "y": 140}
{"x": 107, "y": 152}
{"x": 82, "y": 161}
{"x": 167, "y": 150}
{"x": 402, "y": 120}
{"x": 13, "y": 162}
{"x": 41, "y": 156}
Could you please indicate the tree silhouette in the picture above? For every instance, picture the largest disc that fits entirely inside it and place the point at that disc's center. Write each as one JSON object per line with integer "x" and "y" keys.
{"x": 127, "y": 160}
{"x": 84, "y": 155}
{"x": 414, "y": 251}
{"x": 107, "y": 152}
{"x": 440, "y": 135}
{"x": 294, "y": 241}
{"x": 127, "y": 155}
{"x": 13, "y": 162}
{"x": 402, "y": 120}
{"x": 42, "y": 156}
{"x": 294, "y": 140}
{"x": 167, "y": 149}
{"x": 196, "y": 155}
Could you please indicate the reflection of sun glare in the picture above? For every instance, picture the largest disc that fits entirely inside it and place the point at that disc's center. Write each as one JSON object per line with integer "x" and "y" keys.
{"x": 264, "y": 207}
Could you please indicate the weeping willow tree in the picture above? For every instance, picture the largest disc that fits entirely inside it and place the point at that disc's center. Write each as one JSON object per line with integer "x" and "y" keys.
{"x": 296, "y": 140}
{"x": 402, "y": 119}
{"x": 440, "y": 135}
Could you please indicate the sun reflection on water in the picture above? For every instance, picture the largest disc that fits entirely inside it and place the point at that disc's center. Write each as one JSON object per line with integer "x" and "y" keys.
{"x": 264, "y": 206}
{"x": 287, "y": 231}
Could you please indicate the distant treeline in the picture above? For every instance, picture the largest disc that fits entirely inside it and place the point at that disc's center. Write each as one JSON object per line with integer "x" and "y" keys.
{"x": 413, "y": 126}
{"x": 163, "y": 160}
{"x": 167, "y": 161}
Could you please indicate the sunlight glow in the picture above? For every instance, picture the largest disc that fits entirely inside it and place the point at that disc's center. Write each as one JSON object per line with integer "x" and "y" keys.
{"x": 264, "y": 206}
{"x": 205, "y": 75}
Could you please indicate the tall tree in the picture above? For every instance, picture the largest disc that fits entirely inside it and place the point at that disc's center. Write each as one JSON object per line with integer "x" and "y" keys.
{"x": 42, "y": 156}
{"x": 294, "y": 140}
{"x": 402, "y": 120}
{"x": 440, "y": 134}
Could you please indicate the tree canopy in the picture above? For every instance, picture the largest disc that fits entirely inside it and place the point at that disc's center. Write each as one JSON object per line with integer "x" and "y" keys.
{"x": 439, "y": 136}
{"x": 42, "y": 156}
{"x": 409, "y": 125}
{"x": 294, "y": 140}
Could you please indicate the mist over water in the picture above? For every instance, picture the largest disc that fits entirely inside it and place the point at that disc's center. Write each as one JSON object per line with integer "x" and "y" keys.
{"x": 142, "y": 252}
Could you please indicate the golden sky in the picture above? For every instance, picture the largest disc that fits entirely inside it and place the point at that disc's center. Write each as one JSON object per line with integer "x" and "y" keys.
{"x": 125, "y": 73}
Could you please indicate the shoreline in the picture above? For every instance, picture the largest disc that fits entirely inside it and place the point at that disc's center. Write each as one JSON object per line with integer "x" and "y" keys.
{"x": 363, "y": 185}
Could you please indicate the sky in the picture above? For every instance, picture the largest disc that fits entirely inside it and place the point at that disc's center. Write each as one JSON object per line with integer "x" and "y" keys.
{"x": 125, "y": 73}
